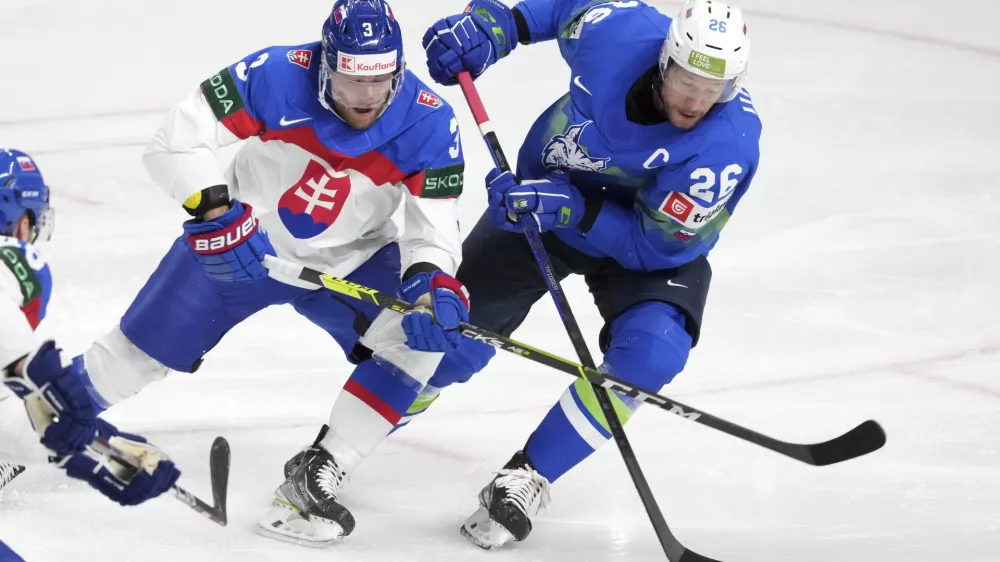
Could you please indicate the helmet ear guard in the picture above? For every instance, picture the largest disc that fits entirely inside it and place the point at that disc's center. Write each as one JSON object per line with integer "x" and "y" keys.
{"x": 709, "y": 39}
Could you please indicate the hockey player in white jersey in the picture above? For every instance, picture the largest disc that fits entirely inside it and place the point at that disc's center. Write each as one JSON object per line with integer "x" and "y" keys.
{"x": 55, "y": 404}
{"x": 25, "y": 286}
{"x": 338, "y": 134}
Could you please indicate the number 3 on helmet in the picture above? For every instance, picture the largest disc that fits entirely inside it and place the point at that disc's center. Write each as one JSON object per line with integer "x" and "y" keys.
{"x": 363, "y": 64}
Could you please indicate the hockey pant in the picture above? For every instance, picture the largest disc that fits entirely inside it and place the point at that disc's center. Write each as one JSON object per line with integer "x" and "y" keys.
{"x": 181, "y": 314}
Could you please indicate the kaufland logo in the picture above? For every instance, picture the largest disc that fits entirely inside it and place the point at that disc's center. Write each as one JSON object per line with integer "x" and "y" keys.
{"x": 366, "y": 65}
{"x": 379, "y": 67}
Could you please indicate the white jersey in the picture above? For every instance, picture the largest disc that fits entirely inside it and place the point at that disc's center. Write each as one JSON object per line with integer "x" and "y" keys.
{"x": 17, "y": 339}
{"x": 325, "y": 193}
{"x": 25, "y": 286}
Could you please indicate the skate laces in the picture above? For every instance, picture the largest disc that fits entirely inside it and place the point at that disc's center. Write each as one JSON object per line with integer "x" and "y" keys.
{"x": 8, "y": 472}
{"x": 329, "y": 479}
{"x": 526, "y": 488}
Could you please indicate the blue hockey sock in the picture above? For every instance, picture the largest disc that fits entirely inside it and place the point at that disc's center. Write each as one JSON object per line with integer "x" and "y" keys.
{"x": 571, "y": 431}
{"x": 649, "y": 346}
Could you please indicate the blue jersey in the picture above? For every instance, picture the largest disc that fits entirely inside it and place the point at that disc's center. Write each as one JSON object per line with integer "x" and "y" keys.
{"x": 8, "y": 555}
{"x": 667, "y": 192}
{"x": 25, "y": 277}
{"x": 276, "y": 94}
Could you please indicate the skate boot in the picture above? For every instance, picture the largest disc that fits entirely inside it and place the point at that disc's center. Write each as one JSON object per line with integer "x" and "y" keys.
{"x": 9, "y": 472}
{"x": 507, "y": 504}
{"x": 305, "y": 509}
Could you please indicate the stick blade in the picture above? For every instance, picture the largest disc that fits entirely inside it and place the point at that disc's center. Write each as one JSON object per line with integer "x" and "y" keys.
{"x": 219, "y": 460}
{"x": 692, "y": 556}
{"x": 863, "y": 439}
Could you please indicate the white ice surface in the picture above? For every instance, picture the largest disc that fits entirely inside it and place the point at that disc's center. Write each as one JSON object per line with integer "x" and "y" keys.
{"x": 857, "y": 280}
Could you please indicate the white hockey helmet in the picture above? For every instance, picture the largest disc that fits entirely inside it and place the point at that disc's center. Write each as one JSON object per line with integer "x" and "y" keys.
{"x": 709, "y": 39}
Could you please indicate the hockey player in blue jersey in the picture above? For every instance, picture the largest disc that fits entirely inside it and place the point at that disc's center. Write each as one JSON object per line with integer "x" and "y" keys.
{"x": 631, "y": 176}
{"x": 56, "y": 419}
{"x": 337, "y": 135}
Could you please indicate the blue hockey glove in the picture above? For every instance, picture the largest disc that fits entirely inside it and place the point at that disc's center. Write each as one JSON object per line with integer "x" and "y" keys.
{"x": 554, "y": 203}
{"x": 230, "y": 247}
{"x": 8, "y": 555}
{"x": 58, "y": 404}
{"x": 473, "y": 40}
{"x": 448, "y": 300}
{"x": 116, "y": 479}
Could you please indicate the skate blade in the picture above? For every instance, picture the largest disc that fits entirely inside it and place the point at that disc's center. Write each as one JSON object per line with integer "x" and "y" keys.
{"x": 484, "y": 532}
{"x": 287, "y": 525}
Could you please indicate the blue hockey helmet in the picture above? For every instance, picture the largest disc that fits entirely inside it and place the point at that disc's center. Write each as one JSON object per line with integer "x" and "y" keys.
{"x": 23, "y": 191}
{"x": 363, "y": 64}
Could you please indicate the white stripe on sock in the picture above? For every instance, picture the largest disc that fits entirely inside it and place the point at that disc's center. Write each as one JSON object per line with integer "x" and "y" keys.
{"x": 580, "y": 422}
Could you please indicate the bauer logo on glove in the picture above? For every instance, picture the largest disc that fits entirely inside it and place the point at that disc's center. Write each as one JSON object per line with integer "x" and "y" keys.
{"x": 224, "y": 240}
{"x": 230, "y": 247}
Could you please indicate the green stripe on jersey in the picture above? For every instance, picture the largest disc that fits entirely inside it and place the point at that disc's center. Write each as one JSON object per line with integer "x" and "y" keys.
{"x": 222, "y": 95}
{"x": 27, "y": 279}
{"x": 443, "y": 182}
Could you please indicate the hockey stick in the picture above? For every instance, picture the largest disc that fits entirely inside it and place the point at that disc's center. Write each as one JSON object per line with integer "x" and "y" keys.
{"x": 863, "y": 439}
{"x": 674, "y": 550}
{"x": 42, "y": 414}
{"x": 218, "y": 469}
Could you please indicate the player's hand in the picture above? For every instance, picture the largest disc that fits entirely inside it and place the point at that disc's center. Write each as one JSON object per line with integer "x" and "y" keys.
{"x": 230, "y": 247}
{"x": 553, "y": 203}
{"x": 117, "y": 479}
{"x": 448, "y": 301}
{"x": 473, "y": 40}
{"x": 60, "y": 408}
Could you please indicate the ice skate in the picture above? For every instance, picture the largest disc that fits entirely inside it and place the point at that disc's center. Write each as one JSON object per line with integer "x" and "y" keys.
{"x": 507, "y": 504}
{"x": 305, "y": 509}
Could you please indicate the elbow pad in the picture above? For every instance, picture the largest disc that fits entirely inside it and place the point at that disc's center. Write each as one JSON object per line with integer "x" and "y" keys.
{"x": 208, "y": 198}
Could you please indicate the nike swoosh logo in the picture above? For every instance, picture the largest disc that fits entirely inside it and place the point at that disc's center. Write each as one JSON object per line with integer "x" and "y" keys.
{"x": 672, "y": 284}
{"x": 576, "y": 80}
{"x": 285, "y": 122}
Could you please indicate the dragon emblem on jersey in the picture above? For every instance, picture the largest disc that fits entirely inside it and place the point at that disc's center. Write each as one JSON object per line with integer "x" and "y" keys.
{"x": 564, "y": 152}
{"x": 313, "y": 204}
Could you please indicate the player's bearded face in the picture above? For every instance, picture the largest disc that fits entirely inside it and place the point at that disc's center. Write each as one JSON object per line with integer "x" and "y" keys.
{"x": 688, "y": 97}
{"x": 359, "y": 99}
